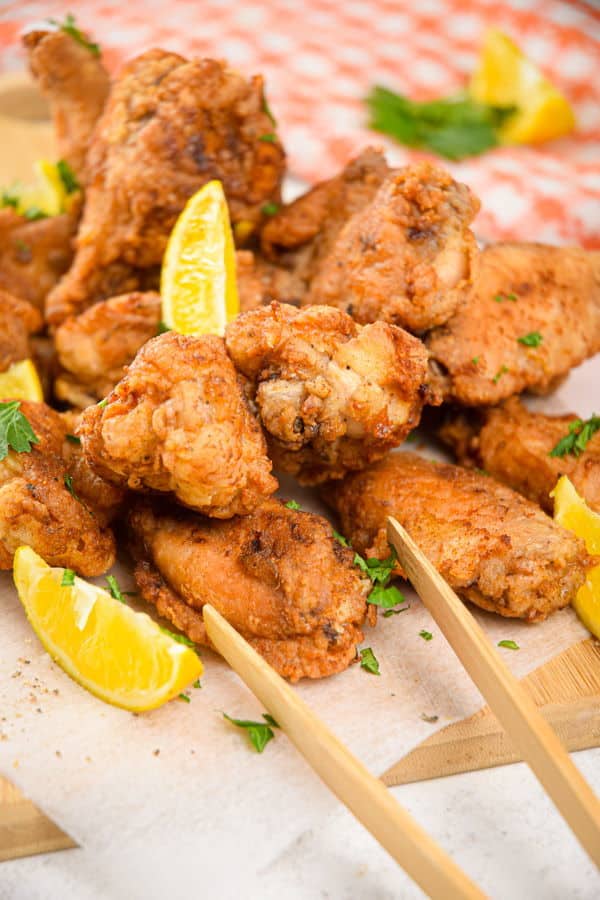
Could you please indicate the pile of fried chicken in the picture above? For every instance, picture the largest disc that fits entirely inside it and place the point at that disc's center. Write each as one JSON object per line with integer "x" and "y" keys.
{"x": 364, "y": 301}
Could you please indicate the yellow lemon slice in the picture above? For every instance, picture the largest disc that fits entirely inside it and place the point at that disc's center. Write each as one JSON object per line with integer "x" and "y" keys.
{"x": 21, "y": 382}
{"x": 198, "y": 286}
{"x": 120, "y": 655}
{"x": 572, "y": 512}
{"x": 505, "y": 77}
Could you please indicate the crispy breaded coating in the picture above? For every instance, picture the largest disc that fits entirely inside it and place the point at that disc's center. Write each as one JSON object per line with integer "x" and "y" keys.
{"x": 37, "y": 508}
{"x": 169, "y": 126}
{"x": 18, "y": 320}
{"x": 95, "y": 347}
{"x": 35, "y": 254}
{"x": 179, "y": 422}
{"x": 278, "y": 575}
{"x": 76, "y": 85}
{"x": 407, "y": 256}
{"x": 519, "y": 291}
{"x": 260, "y": 282}
{"x": 332, "y": 396}
{"x": 513, "y": 445}
{"x": 494, "y": 547}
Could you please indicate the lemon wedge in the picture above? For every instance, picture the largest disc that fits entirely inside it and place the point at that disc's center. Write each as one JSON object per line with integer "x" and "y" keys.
{"x": 198, "y": 286}
{"x": 505, "y": 77}
{"x": 46, "y": 196}
{"x": 120, "y": 655}
{"x": 21, "y": 382}
{"x": 572, "y": 512}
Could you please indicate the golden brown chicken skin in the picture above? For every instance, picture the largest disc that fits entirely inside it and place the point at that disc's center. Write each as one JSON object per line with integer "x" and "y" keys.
{"x": 514, "y": 445}
{"x": 35, "y": 254}
{"x": 494, "y": 547}
{"x": 278, "y": 575}
{"x": 75, "y": 83}
{"x": 169, "y": 126}
{"x": 260, "y": 282}
{"x": 95, "y": 347}
{"x": 39, "y": 504}
{"x": 18, "y": 320}
{"x": 332, "y": 395}
{"x": 549, "y": 296}
{"x": 407, "y": 256}
{"x": 179, "y": 422}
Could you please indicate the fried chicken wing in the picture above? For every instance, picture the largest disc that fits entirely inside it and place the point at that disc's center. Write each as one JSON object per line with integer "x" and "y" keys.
{"x": 332, "y": 395}
{"x": 179, "y": 422}
{"x": 39, "y": 505}
{"x": 513, "y": 445}
{"x": 75, "y": 83}
{"x": 406, "y": 257}
{"x": 278, "y": 575}
{"x": 18, "y": 320}
{"x": 533, "y": 314}
{"x": 95, "y": 347}
{"x": 34, "y": 255}
{"x": 169, "y": 126}
{"x": 494, "y": 547}
{"x": 260, "y": 282}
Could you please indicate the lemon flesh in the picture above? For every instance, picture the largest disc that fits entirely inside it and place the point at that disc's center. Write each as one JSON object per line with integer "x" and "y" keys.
{"x": 21, "y": 382}
{"x": 572, "y": 512}
{"x": 505, "y": 77}
{"x": 120, "y": 655}
{"x": 47, "y": 195}
{"x": 198, "y": 284}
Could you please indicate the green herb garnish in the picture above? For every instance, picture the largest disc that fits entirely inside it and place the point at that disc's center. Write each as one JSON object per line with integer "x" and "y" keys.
{"x": 501, "y": 297}
{"x": 180, "y": 638}
{"x": 67, "y": 176}
{"x": 475, "y": 360}
{"x": 386, "y": 597}
{"x": 259, "y": 733}
{"x": 73, "y": 439}
{"x": 115, "y": 590}
{"x": 503, "y": 370}
{"x": 269, "y": 209}
{"x": 380, "y": 571}
{"x": 33, "y": 213}
{"x": 69, "y": 486}
{"x": 291, "y": 504}
{"x": 10, "y": 199}
{"x": 162, "y": 328}
{"x": 185, "y": 698}
{"x": 102, "y": 403}
{"x": 23, "y": 250}
{"x": 68, "y": 579}
{"x": 454, "y": 127}
{"x": 197, "y": 684}
{"x": 533, "y": 339}
{"x": 510, "y": 645}
{"x": 267, "y": 109}
{"x": 426, "y": 635}
{"x": 369, "y": 661}
{"x": 395, "y": 612}
{"x": 69, "y": 27}
{"x": 575, "y": 442}
{"x": 269, "y": 138}
{"x": 340, "y": 538}
{"x": 15, "y": 431}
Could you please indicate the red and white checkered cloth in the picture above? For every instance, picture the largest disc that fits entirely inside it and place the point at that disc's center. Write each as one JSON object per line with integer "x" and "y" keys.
{"x": 321, "y": 56}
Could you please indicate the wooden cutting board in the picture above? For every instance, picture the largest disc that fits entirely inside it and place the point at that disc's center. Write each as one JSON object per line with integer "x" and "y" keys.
{"x": 567, "y": 690}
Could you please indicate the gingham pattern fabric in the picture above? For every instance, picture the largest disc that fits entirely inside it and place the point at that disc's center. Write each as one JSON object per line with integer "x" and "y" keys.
{"x": 321, "y": 56}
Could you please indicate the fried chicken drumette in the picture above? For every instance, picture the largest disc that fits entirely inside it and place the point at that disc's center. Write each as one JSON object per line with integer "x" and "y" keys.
{"x": 533, "y": 314}
{"x": 169, "y": 126}
{"x": 18, "y": 321}
{"x": 494, "y": 547}
{"x": 514, "y": 445}
{"x": 95, "y": 347}
{"x": 71, "y": 76}
{"x": 278, "y": 575}
{"x": 40, "y": 505}
{"x": 332, "y": 395}
{"x": 179, "y": 422}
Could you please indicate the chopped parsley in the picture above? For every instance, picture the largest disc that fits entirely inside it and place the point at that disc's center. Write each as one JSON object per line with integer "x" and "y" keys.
{"x": 269, "y": 209}
{"x": 185, "y": 698}
{"x": 380, "y": 572}
{"x": 197, "y": 684}
{"x": 180, "y": 638}
{"x": 259, "y": 733}
{"x": 340, "y": 538}
{"x": 67, "y": 176}
{"x": 532, "y": 339}
{"x": 10, "y": 199}
{"x": 267, "y": 109}
{"x": 291, "y": 504}
{"x": 102, "y": 403}
{"x": 73, "y": 439}
{"x": 369, "y": 662}
{"x": 510, "y": 645}
{"x": 575, "y": 442}
{"x": 162, "y": 328}
{"x": 503, "y": 370}
{"x": 16, "y": 432}
{"x": 33, "y": 213}
{"x": 426, "y": 635}
{"x": 269, "y": 138}
{"x": 68, "y": 578}
{"x": 69, "y": 486}
{"x": 69, "y": 27}
{"x": 115, "y": 590}
{"x": 475, "y": 360}
{"x": 385, "y": 597}
{"x": 501, "y": 297}
{"x": 394, "y": 612}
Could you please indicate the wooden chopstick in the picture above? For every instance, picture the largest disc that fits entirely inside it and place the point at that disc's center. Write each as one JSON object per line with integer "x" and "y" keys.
{"x": 351, "y": 782}
{"x": 531, "y": 735}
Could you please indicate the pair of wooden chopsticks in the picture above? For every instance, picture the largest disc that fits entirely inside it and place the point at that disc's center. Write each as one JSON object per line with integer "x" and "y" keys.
{"x": 365, "y": 795}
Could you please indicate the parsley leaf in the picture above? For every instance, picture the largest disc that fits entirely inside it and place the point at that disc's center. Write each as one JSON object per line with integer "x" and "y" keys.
{"x": 291, "y": 504}
{"x": 475, "y": 360}
{"x": 378, "y": 570}
{"x": 180, "y": 638}
{"x": 503, "y": 370}
{"x": 115, "y": 590}
{"x": 267, "y": 109}
{"x": 196, "y": 683}
{"x": 575, "y": 442}
{"x": 259, "y": 733}
{"x": 69, "y": 27}
{"x": 340, "y": 538}
{"x": 69, "y": 486}
{"x": 185, "y": 698}
{"x": 68, "y": 578}
{"x": 426, "y": 635}
{"x": 73, "y": 439}
{"x": 394, "y": 612}
{"x": 385, "y": 597}
{"x": 269, "y": 209}
{"x": 162, "y": 328}
{"x": 269, "y": 138}
{"x": 510, "y": 645}
{"x": 67, "y": 176}
{"x": 15, "y": 431}
{"x": 9, "y": 198}
{"x": 102, "y": 403}
{"x": 533, "y": 339}
{"x": 33, "y": 213}
{"x": 501, "y": 297}
{"x": 369, "y": 661}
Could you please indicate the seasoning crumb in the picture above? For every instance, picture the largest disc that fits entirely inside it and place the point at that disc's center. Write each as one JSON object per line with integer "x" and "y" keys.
{"x": 156, "y": 752}
{"x": 58, "y": 754}
{"x": 16, "y": 674}
{"x": 429, "y": 719}
{"x": 88, "y": 759}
